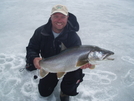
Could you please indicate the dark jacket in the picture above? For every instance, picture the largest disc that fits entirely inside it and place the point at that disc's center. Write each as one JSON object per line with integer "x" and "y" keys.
{"x": 43, "y": 42}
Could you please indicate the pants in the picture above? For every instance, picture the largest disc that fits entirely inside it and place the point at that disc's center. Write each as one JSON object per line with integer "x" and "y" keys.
{"x": 69, "y": 83}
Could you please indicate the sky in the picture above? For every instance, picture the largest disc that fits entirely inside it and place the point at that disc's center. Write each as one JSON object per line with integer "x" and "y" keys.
{"x": 105, "y": 23}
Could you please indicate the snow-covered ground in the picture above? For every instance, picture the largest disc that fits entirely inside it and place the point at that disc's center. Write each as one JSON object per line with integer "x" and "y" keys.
{"x": 105, "y": 23}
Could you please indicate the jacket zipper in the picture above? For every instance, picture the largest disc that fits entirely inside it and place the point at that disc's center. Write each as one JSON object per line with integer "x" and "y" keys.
{"x": 54, "y": 47}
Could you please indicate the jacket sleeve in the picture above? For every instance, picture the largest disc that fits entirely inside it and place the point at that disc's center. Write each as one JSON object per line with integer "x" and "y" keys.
{"x": 74, "y": 40}
{"x": 33, "y": 50}
{"x": 77, "y": 40}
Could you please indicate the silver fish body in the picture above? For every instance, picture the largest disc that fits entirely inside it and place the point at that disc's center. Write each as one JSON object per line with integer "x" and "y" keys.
{"x": 73, "y": 58}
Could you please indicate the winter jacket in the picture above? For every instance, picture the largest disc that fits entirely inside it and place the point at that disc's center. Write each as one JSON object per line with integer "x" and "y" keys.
{"x": 45, "y": 45}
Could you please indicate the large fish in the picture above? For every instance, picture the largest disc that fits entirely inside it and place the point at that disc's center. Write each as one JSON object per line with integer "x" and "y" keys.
{"x": 72, "y": 59}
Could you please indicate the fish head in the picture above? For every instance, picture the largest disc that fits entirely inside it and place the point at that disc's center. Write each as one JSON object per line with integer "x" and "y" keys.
{"x": 99, "y": 54}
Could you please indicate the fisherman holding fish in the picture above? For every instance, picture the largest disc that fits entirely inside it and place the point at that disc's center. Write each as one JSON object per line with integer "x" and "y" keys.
{"x": 46, "y": 42}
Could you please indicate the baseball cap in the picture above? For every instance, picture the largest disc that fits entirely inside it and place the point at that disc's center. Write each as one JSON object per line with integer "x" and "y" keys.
{"x": 60, "y": 9}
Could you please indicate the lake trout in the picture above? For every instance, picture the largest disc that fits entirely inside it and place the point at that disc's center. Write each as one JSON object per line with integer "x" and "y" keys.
{"x": 72, "y": 59}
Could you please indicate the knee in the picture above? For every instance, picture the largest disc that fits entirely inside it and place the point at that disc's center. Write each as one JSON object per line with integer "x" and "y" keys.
{"x": 46, "y": 85}
{"x": 70, "y": 92}
{"x": 45, "y": 92}
{"x": 71, "y": 82}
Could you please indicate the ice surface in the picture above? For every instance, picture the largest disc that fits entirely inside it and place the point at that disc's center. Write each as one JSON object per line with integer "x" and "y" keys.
{"x": 105, "y": 23}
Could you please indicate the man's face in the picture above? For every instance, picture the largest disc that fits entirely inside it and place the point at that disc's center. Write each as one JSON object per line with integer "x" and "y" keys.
{"x": 59, "y": 21}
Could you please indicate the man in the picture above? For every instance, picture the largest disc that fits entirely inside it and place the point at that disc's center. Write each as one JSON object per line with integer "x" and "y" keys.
{"x": 46, "y": 42}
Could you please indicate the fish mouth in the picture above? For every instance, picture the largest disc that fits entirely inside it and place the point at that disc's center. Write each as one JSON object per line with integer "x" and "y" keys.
{"x": 108, "y": 56}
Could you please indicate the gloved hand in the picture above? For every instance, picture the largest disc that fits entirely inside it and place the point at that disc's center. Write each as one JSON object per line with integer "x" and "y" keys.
{"x": 88, "y": 65}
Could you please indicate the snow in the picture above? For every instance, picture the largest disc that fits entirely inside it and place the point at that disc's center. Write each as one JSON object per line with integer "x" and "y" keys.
{"x": 105, "y": 23}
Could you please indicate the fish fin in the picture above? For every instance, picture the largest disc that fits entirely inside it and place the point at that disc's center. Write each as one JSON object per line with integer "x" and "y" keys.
{"x": 83, "y": 59}
{"x": 60, "y": 74}
{"x": 63, "y": 47}
{"x": 81, "y": 63}
{"x": 43, "y": 73}
{"x": 92, "y": 67}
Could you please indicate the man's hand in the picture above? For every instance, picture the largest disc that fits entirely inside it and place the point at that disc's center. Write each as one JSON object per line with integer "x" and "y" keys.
{"x": 36, "y": 62}
{"x": 86, "y": 66}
